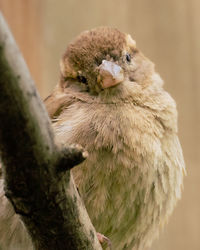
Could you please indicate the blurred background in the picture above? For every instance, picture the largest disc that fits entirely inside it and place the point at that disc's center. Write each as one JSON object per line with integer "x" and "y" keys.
{"x": 167, "y": 32}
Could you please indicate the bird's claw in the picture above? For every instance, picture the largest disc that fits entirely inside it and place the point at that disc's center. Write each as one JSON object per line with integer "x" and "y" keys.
{"x": 103, "y": 239}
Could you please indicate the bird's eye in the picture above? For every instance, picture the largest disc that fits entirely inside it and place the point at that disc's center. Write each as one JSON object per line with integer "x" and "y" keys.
{"x": 128, "y": 57}
{"x": 82, "y": 79}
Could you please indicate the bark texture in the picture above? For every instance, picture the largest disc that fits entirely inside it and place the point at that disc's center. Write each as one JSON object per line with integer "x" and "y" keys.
{"x": 36, "y": 171}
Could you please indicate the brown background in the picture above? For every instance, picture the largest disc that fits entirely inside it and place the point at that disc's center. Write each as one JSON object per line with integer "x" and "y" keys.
{"x": 167, "y": 32}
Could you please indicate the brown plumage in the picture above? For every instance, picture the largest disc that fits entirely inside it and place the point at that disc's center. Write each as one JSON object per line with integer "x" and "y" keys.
{"x": 111, "y": 101}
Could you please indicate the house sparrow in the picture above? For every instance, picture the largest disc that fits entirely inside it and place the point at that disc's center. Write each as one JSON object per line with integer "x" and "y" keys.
{"x": 111, "y": 101}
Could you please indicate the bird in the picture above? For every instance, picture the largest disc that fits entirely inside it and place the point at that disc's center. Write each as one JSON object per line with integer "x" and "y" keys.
{"x": 111, "y": 101}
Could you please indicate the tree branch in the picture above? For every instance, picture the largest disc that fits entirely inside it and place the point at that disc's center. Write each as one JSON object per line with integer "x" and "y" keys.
{"x": 35, "y": 181}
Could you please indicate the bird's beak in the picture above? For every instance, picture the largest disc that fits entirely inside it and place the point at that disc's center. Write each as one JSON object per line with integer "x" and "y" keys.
{"x": 110, "y": 74}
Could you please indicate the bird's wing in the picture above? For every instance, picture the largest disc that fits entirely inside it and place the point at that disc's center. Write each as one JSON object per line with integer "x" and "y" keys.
{"x": 57, "y": 101}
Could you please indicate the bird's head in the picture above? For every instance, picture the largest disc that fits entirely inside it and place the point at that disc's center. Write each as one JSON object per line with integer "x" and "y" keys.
{"x": 102, "y": 59}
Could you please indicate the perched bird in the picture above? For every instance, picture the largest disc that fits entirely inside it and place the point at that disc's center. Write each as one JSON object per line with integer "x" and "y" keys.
{"x": 111, "y": 101}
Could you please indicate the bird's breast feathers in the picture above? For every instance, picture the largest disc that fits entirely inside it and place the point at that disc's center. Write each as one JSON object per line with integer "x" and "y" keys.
{"x": 125, "y": 142}
{"x": 115, "y": 127}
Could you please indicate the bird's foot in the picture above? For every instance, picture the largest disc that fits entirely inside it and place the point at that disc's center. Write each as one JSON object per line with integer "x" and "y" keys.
{"x": 103, "y": 239}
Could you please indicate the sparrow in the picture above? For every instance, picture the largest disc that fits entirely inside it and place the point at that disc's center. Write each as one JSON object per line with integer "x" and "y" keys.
{"x": 110, "y": 100}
